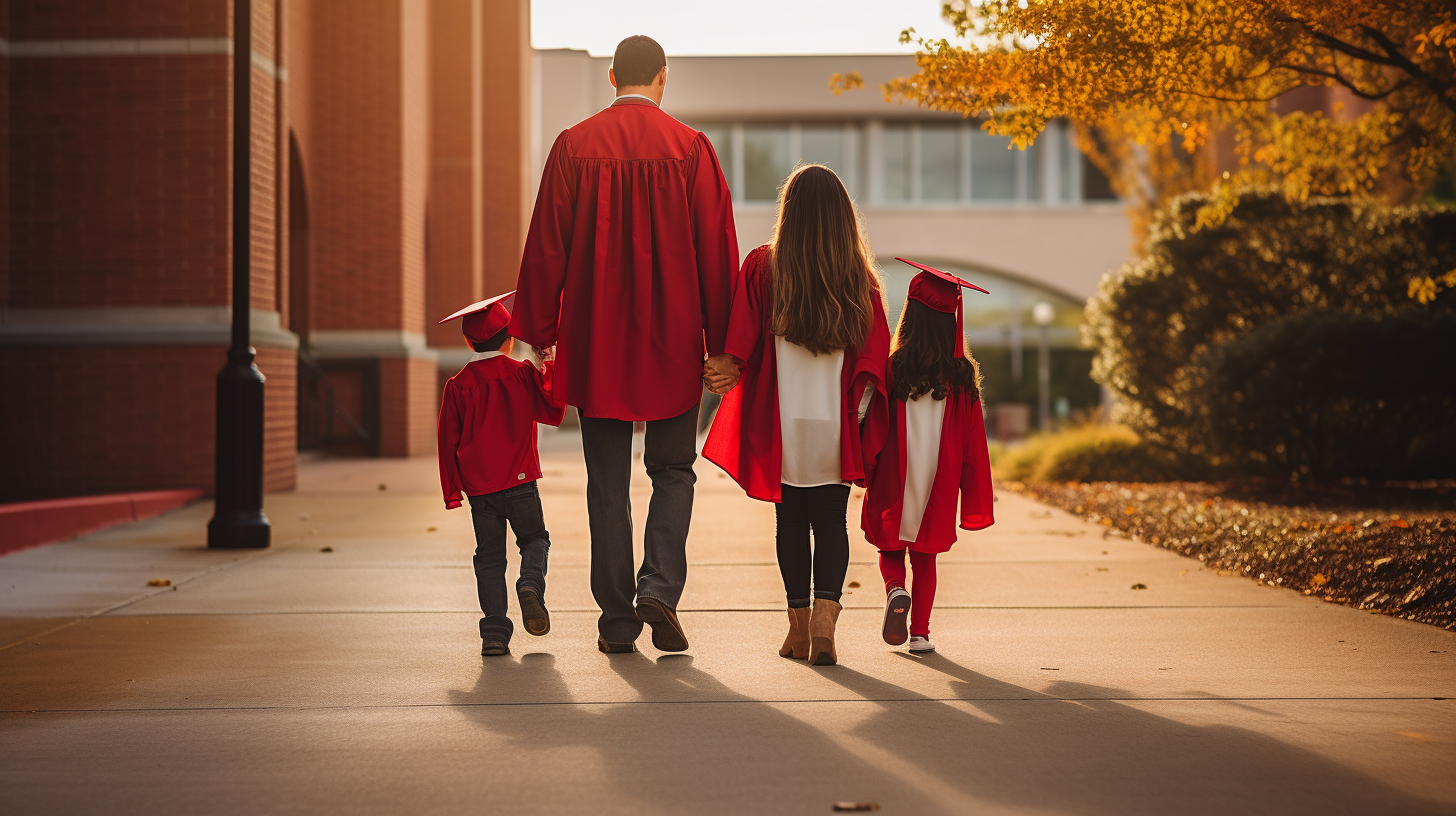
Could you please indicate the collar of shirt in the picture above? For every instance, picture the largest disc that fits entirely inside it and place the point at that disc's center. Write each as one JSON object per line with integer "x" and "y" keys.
{"x": 636, "y": 96}
{"x": 484, "y": 355}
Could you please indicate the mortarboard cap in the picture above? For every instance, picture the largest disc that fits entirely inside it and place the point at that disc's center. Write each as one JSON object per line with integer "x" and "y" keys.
{"x": 484, "y": 319}
{"x": 941, "y": 291}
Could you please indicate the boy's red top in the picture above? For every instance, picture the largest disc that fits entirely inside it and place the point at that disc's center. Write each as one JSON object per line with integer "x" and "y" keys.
{"x": 962, "y": 471}
{"x": 487, "y": 432}
{"x": 629, "y": 263}
{"x": 745, "y": 440}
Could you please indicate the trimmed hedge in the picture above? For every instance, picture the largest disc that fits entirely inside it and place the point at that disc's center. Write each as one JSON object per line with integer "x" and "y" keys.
{"x": 1090, "y": 453}
{"x": 1332, "y": 394}
{"x": 1159, "y": 322}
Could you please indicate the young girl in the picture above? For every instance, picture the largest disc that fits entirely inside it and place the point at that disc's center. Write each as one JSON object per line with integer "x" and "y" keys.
{"x": 936, "y": 449}
{"x": 808, "y": 329}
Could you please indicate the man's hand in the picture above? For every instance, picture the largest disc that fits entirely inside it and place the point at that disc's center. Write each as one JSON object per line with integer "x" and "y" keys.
{"x": 545, "y": 355}
{"x": 721, "y": 373}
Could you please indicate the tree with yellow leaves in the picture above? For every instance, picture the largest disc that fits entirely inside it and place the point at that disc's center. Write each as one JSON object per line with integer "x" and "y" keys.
{"x": 1170, "y": 97}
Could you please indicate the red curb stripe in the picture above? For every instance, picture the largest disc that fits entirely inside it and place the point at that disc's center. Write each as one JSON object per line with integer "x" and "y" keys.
{"x": 31, "y": 524}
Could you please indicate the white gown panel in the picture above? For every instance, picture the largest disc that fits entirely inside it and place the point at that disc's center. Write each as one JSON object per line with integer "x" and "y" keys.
{"x": 809, "y": 409}
{"x": 924, "y": 416}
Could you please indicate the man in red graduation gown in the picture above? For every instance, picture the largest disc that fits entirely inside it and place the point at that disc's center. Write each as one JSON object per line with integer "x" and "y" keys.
{"x": 629, "y": 270}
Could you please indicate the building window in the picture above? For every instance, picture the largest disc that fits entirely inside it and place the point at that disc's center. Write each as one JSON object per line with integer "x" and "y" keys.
{"x": 993, "y": 167}
{"x": 721, "y": 137}
{"x": 766, "y": 161}
{"x": 940, "y": 159}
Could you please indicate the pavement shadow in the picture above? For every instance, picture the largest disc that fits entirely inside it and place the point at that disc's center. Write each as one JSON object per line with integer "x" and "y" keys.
{"x": 688, "y": 744}
{"x": 1072, "y": 750}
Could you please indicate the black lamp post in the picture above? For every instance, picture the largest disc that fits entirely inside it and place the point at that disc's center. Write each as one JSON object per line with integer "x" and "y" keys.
{"x": 238, "y": 519}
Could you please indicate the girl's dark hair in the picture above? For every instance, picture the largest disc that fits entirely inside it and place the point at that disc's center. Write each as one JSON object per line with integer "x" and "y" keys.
{"x": 923, "y": 360}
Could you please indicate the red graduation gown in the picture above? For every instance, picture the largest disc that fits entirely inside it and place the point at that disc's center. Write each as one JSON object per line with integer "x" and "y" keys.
{"x": 629, "y": 263}
{"x": 962, "y": 469}
{"x": 487, "y": 432}
{"x": 745, "y": 440}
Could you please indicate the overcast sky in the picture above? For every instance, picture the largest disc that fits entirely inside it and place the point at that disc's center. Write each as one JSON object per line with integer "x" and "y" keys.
{"x": 737, "y": 26}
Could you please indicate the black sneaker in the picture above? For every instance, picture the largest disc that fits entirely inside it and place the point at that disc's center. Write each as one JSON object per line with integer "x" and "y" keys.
{"x": 897, "y": 607}
{"x": 533, "y": 611}
{"x": 494, "y": 648}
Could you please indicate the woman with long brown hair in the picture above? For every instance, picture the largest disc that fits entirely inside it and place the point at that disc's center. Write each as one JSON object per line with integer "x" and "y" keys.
{"x": 808, "y": 331}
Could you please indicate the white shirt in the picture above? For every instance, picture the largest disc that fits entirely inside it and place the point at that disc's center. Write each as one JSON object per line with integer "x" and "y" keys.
{"x": 924, "y": 416}
{"x": 485, "y": 355}
{"x": 637, "y": 96}
{"x": 809, "y": 411}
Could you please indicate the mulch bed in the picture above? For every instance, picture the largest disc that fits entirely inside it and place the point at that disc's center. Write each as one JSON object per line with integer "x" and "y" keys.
{"x": 1385, "y": 547}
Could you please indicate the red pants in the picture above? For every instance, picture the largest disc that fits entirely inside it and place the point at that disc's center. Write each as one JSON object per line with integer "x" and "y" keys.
{"x": 922, "y": 598}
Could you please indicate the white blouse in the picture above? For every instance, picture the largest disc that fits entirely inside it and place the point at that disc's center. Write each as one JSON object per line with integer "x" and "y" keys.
{"x": 809, "y": 411}
{"x": 924, "y": 416}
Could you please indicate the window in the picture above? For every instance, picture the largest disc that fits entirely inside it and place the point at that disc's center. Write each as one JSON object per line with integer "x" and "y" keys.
{"x": 766, "y": 161}
{"x": 940, "y": 162}
{"x": 898, "y": 165}
{"x": 993, "y": 167}
{"x": 721, "y": 138}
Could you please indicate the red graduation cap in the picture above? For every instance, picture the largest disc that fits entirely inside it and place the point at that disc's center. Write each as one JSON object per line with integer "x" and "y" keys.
{"x": 484, "y": 319}
{"x": 941, "y": 291}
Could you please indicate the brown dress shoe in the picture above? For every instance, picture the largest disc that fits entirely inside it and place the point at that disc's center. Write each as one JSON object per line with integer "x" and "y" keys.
{"x": 796, "y": 644}
{"x": 667, "y": 633}
{"x": 821, "y": 632}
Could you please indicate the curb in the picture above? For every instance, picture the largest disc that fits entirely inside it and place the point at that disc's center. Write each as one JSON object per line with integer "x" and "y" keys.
{"x": 32, "y": 524}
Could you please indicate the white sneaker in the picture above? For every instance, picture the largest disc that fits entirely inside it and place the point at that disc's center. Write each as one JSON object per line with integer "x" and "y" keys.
{"x": 920, "y": 644}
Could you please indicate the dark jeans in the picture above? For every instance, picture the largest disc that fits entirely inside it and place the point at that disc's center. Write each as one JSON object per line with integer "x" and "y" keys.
{"x": 521, "y": 506}
{"x": 823, "y": 509}
{"x": 671, "y": 449}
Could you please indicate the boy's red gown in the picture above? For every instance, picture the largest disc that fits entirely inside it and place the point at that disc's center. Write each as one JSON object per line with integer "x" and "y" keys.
{"x": 745, "y": 438}
{"x": 629, "y": 264}
{"x": 487, "y": 431}
{"x": 962, "y": 471}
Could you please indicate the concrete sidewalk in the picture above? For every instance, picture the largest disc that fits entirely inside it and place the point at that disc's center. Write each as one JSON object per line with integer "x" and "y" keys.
{"x": 304, "y": 681}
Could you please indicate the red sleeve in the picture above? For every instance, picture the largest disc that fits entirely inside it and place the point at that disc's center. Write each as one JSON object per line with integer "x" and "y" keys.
{"x": 548, "y": 245}
{"x": 745, "y": 320}
{"x": 543, "y": 409}
{"x": 977, "y": 503}
{"x": 715, "y": 240}
{"x": 874, "y": 365}
{"x": 449, "y": 443}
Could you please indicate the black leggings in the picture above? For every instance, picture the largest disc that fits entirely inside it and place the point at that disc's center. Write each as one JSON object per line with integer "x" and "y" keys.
{"x": 822, "y": 508}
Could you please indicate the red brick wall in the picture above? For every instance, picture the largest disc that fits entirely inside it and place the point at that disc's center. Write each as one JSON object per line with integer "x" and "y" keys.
{"x": 506, "y": 61}
{"x": 454, "y": 239}
{"x": 407, "y": 426}
{"x": 263, "y": 261}
{"x": 120, "y": 19}
{"x": 280, "y": 418}
{"x": 4, "y": 157}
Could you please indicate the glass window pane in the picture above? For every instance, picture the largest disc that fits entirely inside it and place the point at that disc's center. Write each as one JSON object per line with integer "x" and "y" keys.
{"x": 719, "y": 136}
{"x": 825, "y": 144}
{"x": 1071, "y": 164}
{"x": 766, "y": 161}
{"x": 993, "y": 168}
{"x": 940, "y": 160}
{"x": 1032, "y": 190}
{"x": 896, "y": 149}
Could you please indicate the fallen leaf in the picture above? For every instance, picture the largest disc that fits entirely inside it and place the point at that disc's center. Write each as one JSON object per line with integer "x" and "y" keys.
{"x": 383, "y": 486}
{"x": 1126, "y": 510}
{"x": 326, "y": 549}
{"x": 1139, "y": 586}
{"x": 1319, "y": 580}
{"x": 1380, "y": 562}
{"x": 856, "y": 807}
{"x": 1401, "y": 523}
{"x": 304, "y": 516}
{"x": 160, "y": 582}
{"x": 1099, "y": 569}
{"x": 431, "y": 529}
{"x": 855, "y": 584}
{"x": 1044, "y": 668}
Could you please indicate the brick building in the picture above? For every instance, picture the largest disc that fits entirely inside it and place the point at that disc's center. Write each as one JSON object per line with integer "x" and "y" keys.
{"x": 391, "y": 183}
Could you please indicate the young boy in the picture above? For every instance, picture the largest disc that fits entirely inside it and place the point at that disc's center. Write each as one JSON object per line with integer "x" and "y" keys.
{"x": 488, "y": 417}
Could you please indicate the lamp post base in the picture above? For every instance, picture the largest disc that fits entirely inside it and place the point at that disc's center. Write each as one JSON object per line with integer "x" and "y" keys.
{"x": 240, "y": 530}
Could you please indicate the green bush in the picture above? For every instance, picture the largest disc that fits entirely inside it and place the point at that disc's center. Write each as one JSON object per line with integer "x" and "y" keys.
{"x": 1089, "y": 453}
{"x": 1330, "y": 394}
{"x": 1158, "y": 320}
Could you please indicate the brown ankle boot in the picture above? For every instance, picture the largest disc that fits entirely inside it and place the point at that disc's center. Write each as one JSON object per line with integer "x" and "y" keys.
{"x": 821, "y": 632}
{"x": 796, "y": 644}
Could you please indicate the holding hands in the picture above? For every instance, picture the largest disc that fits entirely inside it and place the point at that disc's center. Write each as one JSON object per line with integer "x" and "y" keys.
{"x": 720, "y": 373}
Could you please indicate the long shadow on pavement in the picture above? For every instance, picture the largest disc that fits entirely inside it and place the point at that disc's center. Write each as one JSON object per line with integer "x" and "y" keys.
{"x": 1072, "y": 750}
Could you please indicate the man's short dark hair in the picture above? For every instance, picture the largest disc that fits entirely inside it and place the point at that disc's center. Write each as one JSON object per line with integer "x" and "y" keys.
{"x": 494, "y": 342}
{"x": 637, "y": 61}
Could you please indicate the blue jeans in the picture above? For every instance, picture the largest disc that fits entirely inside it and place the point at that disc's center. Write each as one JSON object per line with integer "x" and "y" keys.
{"x": 521, "y": 506}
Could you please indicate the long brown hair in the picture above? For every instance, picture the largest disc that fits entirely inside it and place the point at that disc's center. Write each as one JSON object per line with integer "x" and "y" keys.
{"x": 923, "y": 360}
{"x": 823, "y": 277}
